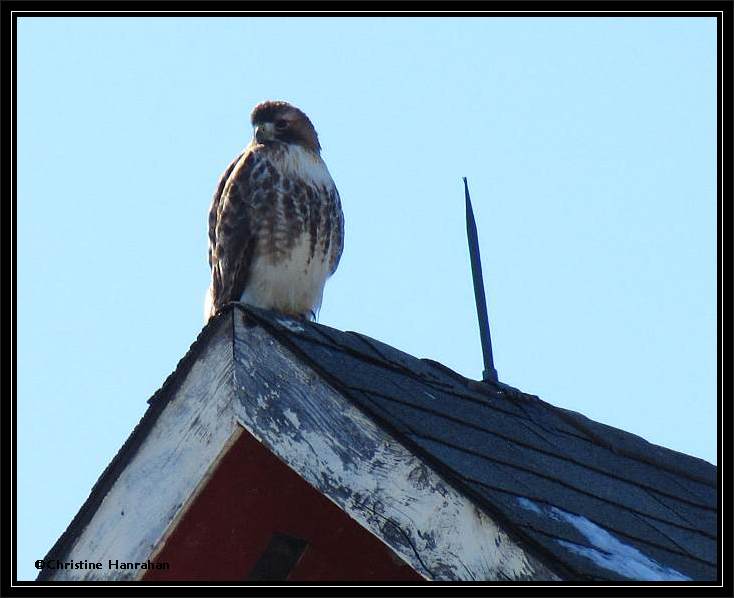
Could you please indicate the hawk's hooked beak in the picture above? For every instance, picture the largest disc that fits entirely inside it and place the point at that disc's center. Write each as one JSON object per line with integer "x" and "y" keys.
{"x": 263, "y": 132}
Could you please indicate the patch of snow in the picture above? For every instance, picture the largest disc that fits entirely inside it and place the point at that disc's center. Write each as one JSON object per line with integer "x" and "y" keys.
{"x": 528, "y": 504}
{"x": 608, "y": 552}
{"x": 291, "y": 325}
{"x": 628, "y": 562}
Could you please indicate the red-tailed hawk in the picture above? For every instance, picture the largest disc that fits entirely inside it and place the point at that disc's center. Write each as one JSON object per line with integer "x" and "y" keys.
{"x": 276, "y": 227}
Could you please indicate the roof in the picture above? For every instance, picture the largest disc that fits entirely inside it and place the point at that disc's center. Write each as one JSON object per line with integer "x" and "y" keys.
{"x": 591, "y": 501}
{"x": 558, "y": 479}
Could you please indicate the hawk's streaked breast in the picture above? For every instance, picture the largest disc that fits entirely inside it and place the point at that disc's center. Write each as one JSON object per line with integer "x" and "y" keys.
{"x": 294, "y": 257}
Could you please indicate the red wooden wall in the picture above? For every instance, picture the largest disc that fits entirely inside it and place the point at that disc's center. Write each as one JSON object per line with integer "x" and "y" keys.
{"x": 251, "y": 496}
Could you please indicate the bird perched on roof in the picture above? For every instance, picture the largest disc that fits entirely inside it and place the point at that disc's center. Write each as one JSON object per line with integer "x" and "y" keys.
{"x": 276, "y": 227}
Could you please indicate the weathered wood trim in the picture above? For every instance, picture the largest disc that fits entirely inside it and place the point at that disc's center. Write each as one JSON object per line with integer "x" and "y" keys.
{"x": 238, "y": 430}
{"x": 376, "y": 480}
{"x": 149, "y": 494}
{"x": 244, "y": 376}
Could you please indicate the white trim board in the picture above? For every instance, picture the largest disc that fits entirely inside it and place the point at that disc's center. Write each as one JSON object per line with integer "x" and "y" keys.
{"x": 244, "y": 376}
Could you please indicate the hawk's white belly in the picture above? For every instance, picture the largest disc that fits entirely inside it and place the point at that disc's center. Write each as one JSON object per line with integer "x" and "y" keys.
{"x": 294, "y": 285}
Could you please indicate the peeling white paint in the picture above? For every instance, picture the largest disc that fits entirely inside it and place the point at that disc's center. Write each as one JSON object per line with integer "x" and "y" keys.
{"x": 292, "y": 417}
{"x": 161, "y": 477}
{"x": 321, "y": 435}
{"x": 378, "y": 482}
{"x": 608, "y": 552}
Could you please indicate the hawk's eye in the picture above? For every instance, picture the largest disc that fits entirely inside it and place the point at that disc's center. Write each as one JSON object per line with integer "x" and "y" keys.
{"x": 281, "y": 124}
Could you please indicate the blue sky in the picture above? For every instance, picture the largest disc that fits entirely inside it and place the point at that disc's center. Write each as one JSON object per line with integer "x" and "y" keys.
{"x": 590, "y": 149}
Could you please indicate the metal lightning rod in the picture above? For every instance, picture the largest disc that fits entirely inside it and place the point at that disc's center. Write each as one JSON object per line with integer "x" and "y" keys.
{"x": 489, "y": 373}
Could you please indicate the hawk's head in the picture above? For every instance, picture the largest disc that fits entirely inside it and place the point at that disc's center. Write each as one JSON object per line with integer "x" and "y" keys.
{"x": 280, "y": 121}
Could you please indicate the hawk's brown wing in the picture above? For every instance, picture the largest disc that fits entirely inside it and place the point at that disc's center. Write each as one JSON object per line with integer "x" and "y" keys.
{"x": 336, "y": 220}
{"x": 213, "y": 209}
{"x": 231, "y": 235}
